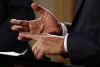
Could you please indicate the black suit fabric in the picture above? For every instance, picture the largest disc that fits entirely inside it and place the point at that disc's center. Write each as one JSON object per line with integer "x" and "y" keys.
{"x": 18, "y": 9}
{"x": 84, "y": 34}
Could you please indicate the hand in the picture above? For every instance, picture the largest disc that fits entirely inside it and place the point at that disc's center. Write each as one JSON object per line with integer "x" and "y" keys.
{"x": 47, "y": 23}
{"x": 33, "y": 26}
{"x": 45, "y": 45}
{"x": 48, "y": 20}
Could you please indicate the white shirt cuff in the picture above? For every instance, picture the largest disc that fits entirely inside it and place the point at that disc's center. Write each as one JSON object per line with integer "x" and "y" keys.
{"x": 65, "y": 43}
{"x": 64, "y": 28}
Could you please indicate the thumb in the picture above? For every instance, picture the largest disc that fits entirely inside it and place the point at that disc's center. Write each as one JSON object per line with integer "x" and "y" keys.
{"x": 30, "y": 36}
{"x": 38, "y": 8}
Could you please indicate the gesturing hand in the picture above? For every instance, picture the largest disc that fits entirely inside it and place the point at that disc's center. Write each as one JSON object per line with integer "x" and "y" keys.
{"x": 46, "y": 44}
{"x": 46, "y": 23}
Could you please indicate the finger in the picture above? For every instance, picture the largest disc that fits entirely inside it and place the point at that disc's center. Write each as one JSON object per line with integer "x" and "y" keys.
{"x": 36, "y": 20}
{"x": 40, "y": 55}
{"x": 30, "y": 36}
{"x": 36, "y": 51}
{"x": 34, "y": 48}
{"x": 20, "y": 38}
{"x": 19, "y": 22}
{"x": 19, "y": 28}
{"x": 38, "y": 8}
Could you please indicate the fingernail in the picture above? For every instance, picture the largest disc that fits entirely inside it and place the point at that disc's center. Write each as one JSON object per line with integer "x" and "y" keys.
{"x": 12, "y": 20}
{"x": 13, "y": 28}
{"x": 19, "y": 38}
{"x": 20, "y": 34}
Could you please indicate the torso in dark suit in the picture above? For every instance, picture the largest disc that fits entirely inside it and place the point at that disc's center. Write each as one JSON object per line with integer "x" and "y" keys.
{"x": 84, "y": 34}
{"x": 18, "y": 9}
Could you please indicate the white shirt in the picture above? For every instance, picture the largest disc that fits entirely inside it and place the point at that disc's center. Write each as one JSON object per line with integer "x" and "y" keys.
{"x": 65, "y": 33}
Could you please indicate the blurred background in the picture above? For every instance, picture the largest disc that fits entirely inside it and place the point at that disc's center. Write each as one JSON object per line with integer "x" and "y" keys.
{"x": 64, "y": 11}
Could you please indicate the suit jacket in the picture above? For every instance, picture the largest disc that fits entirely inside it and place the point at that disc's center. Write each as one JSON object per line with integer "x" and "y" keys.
{"x": 84, "y": 34}
{"x": 13, "y": 9}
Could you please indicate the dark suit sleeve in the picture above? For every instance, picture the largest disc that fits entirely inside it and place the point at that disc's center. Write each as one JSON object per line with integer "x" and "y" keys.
{"x": 84, "y": 37}
{"x": 20, "y": 9}
{"x": 83, "y": 46}
{"x": 68, "y": 25}
{"x": 3, "y": 11}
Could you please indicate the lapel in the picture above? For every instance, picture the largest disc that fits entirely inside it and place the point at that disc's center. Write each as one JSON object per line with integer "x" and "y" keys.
{"x": 78, "y": 6}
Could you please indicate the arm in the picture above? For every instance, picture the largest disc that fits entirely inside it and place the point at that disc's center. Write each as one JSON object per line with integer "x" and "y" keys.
{"x": 68, "y": 24}
{"x": 83, "y": 46}
{"x": 65, "y": 27}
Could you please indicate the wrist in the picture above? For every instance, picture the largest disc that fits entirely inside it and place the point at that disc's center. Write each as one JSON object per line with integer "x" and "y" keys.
{"x": 58, "y": 30}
